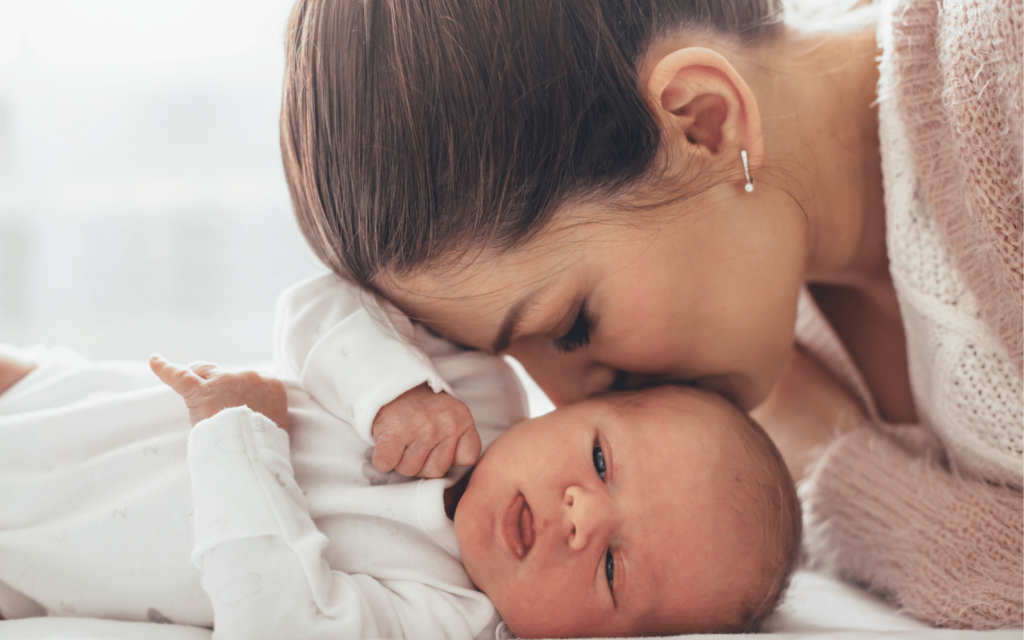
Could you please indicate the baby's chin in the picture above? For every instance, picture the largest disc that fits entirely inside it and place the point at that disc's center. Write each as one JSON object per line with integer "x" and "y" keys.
{"x": 473, "y": 536}
{"x": 476, "y": 540}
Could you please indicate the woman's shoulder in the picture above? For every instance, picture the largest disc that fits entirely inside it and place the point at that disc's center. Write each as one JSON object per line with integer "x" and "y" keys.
{"x": 951, "y": 78}
{"x": 956, "y": 73}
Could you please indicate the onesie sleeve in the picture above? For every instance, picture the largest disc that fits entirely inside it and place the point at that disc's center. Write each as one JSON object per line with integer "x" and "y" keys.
{"x": 261, "y": 554}
{"x": 944, "y": 548}
{"x": 350, "y": 350}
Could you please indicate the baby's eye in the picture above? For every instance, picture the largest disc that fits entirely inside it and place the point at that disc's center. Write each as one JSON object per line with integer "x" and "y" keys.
{"x": 609, "y": 568}
{"x": 599, "y": 462}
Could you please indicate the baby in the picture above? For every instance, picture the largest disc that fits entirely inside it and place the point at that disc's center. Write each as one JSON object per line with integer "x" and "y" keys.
{"x": 660, "y": 511}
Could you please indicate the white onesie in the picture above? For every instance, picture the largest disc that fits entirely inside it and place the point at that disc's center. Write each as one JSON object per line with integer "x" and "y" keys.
{"x": 112, "y": 505}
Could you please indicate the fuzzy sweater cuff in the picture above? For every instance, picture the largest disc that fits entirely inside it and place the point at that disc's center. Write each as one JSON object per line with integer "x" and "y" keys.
{"x": 945, "y": 549}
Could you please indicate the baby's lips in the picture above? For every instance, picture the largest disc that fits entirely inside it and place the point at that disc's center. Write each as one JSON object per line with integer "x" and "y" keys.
{"x": 526, "y": 531}
{"x": 517, "y": 526}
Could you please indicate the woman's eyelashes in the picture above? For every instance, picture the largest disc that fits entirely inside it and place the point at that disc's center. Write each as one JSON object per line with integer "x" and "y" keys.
{"x": 599, "y": 463}
{"x": 578, "y": 335}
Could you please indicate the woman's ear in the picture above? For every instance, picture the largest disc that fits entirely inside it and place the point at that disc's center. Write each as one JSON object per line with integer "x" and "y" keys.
{"x": 696, "y": 92}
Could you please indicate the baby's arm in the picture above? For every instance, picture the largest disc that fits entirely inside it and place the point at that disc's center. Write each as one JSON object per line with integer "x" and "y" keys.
{"x": 358, "y": 357}
{"x": 208, "y": 390}
{"x": 258, "y": 548}
{"x": 804, "y": 411}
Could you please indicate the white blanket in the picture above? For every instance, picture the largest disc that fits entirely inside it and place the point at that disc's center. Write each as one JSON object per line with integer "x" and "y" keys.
{"x": 817, "y": 606}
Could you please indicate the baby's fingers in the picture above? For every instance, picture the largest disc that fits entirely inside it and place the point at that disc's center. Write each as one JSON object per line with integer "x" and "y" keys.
{"x": 182, "y": 380}
{"x": 386, "y": 453}
{"x": 413, "y": 457}
{"x": 203, "y": 369}
{"x": 439, "y": 460}
{"x": 468, "y": 449}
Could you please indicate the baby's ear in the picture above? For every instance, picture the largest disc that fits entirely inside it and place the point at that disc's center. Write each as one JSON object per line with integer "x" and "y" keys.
{"x": 705, "y": 107}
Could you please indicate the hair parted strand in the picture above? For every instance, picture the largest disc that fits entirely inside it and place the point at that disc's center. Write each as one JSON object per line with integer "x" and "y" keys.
{"x": 415, "y": 130}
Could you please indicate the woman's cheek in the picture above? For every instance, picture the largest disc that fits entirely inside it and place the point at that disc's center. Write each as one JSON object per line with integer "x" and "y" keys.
{"x": 640, "y": 344}
{"x": 565, "y": 377}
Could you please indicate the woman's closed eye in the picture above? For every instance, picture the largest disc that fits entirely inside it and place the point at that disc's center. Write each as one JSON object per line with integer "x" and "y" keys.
{"x": 578, "y": 335}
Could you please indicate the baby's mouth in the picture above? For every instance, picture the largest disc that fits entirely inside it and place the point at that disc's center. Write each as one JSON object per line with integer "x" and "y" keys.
{"x": 517, "y": 527}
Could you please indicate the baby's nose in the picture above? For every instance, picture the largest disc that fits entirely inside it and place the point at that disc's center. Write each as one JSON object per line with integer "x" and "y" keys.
{"x": 587, "y": 516}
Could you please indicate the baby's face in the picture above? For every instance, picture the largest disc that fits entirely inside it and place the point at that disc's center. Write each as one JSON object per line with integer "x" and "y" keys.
{"x": 612, "y": 517}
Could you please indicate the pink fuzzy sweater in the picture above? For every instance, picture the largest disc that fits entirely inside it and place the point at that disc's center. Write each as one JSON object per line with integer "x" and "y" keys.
{"x": 960, "y": 89}
{"x": 932, "y": 515}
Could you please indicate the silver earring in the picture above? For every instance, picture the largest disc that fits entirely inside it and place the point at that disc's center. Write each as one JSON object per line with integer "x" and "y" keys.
{"x": 749, "y": 187}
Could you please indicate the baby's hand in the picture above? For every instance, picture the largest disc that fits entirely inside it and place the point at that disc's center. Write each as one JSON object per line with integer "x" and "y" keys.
{"x": 422, "y": 433}
{"x": 208, "y": 390}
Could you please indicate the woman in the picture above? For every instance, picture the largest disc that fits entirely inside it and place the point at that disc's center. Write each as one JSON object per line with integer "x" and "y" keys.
{"x": 629, "y": 193}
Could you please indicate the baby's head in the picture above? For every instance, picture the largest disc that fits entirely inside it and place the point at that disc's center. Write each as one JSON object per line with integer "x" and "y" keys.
{"x": 655, "y": 512}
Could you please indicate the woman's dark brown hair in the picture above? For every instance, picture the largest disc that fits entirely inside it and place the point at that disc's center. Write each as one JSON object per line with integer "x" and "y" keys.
{"x": 416, "y": 130}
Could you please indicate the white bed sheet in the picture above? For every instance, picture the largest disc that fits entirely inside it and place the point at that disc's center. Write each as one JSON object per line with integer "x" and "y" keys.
{"x": 816, "y": 607}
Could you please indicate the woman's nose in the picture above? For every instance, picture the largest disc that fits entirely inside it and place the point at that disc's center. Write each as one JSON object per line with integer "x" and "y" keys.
{"x": 628, "y": 380}
{"x": 587, "y": 516}
{"x": 565, "y": 377}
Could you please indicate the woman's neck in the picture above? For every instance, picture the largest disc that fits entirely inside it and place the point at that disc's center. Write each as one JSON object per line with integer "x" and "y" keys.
{"x": 816, "y": 92}
{"x": 821, "y": 148}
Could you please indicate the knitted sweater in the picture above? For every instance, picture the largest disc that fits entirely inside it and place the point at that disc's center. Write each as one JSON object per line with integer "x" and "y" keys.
{"x": 931, "y": 515}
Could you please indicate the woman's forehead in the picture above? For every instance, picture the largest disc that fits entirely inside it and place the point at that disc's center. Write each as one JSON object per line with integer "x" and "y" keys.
{"x": 560, "y": 248}
{"x": 564, "y": 250}
{"x": 484, "y": 290}
{"x": 475, "y": 294}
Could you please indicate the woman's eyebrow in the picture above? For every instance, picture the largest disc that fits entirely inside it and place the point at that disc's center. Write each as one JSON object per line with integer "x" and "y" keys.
{"x": 511, "y": 319}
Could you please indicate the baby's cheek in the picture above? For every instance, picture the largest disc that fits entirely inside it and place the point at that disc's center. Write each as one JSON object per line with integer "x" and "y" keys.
{"x": 469, "y": 535}
{"x": 534, "y": 613}
{"x": 484, "y": 570}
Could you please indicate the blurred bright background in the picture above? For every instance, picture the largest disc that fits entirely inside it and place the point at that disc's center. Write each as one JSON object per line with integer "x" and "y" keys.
{"x": 142, "y": 202}
{"x": 143, "y": 205}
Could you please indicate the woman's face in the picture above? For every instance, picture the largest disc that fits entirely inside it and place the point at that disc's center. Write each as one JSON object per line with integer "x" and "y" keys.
{"x": 703, "y": 291}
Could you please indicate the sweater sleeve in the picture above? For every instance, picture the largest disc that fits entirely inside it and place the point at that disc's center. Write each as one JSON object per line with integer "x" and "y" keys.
{"x": 943, "y": 548}
{"x": 261, "y": 554}
{"x": 959, "y": 80}
{"x": 350, "y": 350}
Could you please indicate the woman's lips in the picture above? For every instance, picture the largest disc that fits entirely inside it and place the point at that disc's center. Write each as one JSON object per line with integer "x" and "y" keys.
{"x": 517, "y": 526}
